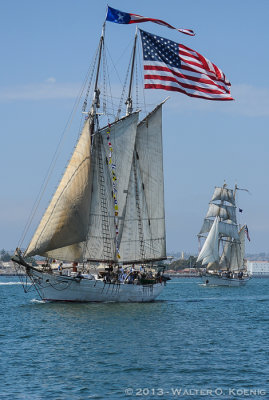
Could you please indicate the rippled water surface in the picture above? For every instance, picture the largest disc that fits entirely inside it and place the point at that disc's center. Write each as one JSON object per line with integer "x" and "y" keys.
{"x": 195, "y": 342}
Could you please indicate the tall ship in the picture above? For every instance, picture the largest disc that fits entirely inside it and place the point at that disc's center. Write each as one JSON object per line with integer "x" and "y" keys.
{"x": 223, "y": 250}
{"x": 108, "y": 209}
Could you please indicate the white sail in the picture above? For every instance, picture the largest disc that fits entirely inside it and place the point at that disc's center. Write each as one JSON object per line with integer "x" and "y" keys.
{"x": 210, "y": 250}
{"x": 226, "y": 228}
{"x": 143, "y": 234}
{"x": 242, "y": 246}
{"x": 101, "y": 242}
{"x": 233, "y": 254}
{"x": 98, "y": 213}
{"x": 223, "y": 194}
{"x": 65, "y": 221}
{"x": 237, "y": 259}
{"x": 222, "y": 211}
{"x": 225, "y": 259}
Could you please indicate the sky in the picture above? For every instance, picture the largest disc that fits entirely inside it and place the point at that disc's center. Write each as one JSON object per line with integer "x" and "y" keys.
{"x": 46, "y": 50}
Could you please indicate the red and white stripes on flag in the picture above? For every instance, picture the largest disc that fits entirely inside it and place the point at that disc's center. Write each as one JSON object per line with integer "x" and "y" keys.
{"x": 247, "y": 234}
{"x": 135, "y": 18}
{"x": 175, "y": 67}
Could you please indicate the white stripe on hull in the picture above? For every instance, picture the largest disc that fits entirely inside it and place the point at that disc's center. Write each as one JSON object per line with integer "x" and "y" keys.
{"x": 64, "y": 288}
{"x": 214, "y": 280}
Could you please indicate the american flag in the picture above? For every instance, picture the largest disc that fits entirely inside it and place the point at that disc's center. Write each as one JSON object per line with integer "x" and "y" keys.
{"x": 175, "y": 67}
{"x": 121, "y": 17}
{"x": 246, "y": 232}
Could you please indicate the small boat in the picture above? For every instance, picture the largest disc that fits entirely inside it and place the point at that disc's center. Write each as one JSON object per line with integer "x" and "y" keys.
{"x": 224, "y": 247}
{"x": 108, "y": 208}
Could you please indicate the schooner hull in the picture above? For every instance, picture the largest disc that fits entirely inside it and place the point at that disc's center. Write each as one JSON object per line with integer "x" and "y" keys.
{"x": 74, "y": 289}
{"x": 216, "y": 280}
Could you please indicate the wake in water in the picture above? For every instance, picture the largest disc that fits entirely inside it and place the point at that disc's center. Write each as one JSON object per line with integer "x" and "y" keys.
{"x": 10, "y": 283}
{"x": 36, "y": 301}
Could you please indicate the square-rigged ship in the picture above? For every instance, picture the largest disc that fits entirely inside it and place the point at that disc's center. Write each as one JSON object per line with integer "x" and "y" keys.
{"x": 224, "y": 248}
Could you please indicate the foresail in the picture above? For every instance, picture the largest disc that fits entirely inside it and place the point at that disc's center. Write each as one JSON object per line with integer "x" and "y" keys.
{"x": 210, "y": 249}
{"x": 65, "y": 221}
{"x": 143, "y": 234}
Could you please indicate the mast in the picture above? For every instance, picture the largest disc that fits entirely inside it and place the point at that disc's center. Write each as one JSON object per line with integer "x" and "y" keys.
{"x": 96, "y": 95}
{"x": 129, "y": 101}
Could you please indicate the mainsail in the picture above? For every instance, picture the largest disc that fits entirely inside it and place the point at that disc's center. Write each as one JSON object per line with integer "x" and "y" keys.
{"x": 79, "y": 223}
{"x": 143, "y": 234}
{"x": 232, "y": 257}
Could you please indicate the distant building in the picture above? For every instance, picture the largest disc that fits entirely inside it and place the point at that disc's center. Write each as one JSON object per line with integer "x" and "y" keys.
{"x": 169, "y": 259}
{"x": 258, "y": 268}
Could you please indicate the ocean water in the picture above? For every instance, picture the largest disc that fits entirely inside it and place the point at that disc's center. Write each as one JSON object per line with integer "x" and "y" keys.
{"x": 195, "y": 342}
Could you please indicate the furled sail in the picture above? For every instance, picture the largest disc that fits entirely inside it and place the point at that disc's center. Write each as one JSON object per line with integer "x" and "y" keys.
{"x": 223, "y": 194}
{"x": 210, "y": 250}
{"x": 65, "y": 221}
{"x": 143, "y": 231}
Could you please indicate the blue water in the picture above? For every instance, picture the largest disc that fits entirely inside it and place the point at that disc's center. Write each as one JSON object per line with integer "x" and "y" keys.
{"x": 195, "y": 342}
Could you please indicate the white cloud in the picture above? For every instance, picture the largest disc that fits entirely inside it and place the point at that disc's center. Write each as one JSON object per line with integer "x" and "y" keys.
{"x": 51, "y": 80}
{"x": 249, "y": 100}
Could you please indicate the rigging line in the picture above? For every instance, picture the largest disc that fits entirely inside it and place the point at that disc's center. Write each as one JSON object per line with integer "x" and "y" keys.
{"x": 90, "y": 80}
{"x": 125, "y": 82}
{"x": 119, "y": 60}
{"x": 140, "y": 64}
{"x": 114, "y": 66}
{"x": 123, "y": 93}
{"x": 136, "y": 86}
{"x": 104, "y": 80}
{"x": 110, "y": 100}
{"x": 53, "y": 162}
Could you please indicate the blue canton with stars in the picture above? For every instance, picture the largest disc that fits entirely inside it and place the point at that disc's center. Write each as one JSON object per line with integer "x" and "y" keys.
{"x": 156, "y": 48}
{"x": 119, "y": 17}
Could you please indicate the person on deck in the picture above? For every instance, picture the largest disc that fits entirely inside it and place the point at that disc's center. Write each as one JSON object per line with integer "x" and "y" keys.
{"x": 60, "y": 268}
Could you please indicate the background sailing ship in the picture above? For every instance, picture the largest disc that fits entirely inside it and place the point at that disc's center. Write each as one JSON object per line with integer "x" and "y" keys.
{"x": 224, "y": 248}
